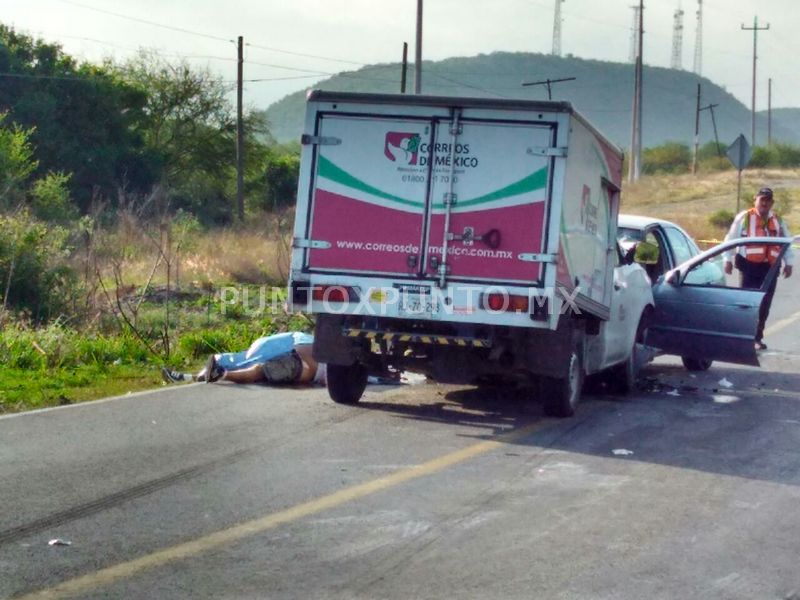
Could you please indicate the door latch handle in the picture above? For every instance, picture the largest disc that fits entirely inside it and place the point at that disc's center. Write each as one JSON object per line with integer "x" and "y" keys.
{"x": 744, "y": 305}
{"x": 491, "y": 238}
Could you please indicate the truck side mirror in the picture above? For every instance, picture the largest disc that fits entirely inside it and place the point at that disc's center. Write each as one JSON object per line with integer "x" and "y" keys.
{"x": 629, "y": 255}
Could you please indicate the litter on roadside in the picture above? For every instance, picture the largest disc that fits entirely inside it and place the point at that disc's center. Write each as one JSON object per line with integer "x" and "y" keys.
{"x": 622, "y": 452}
{"x": 59, "y": 542}
{"x": 725, "y": 383}
{"x": 673, "y": 393}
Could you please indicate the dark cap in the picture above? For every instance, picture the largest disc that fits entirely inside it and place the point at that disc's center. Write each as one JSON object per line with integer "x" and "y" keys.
{"x": 765, "y": 191}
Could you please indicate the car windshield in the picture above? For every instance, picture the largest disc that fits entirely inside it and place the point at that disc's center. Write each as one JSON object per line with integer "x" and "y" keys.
{"x": 628, "y": 233}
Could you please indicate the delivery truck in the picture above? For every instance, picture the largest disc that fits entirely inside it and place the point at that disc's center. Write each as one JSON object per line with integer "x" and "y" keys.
{"x": 468, "y": 239}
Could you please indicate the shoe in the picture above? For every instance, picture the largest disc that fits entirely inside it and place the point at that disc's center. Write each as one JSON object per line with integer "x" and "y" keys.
{"x": 760, "y": 345}
{"x": 171, "y": 376}
{"x": 213, "y": 370}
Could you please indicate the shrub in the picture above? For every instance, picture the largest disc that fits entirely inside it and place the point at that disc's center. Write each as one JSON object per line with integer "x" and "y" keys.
{"x": 33, "y": 271}
{"x": 722, "y": 219}
{"x": 776, "y": 155}
{"x": 50, "y": 199}
{"x": 671, "y": 157}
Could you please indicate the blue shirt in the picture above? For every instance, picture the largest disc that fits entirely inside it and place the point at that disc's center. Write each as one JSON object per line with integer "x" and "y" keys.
{"x": 263, "y": 349}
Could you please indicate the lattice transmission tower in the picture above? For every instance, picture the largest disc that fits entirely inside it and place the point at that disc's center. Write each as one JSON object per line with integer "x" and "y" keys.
{"x": 634, "y": 34}
{"x": 698, "y": 40}
{"x": 557, "y": 28}
{"x": 677, "y": 40}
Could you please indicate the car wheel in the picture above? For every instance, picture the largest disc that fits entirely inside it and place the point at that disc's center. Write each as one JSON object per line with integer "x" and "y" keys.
{"x": 623, "y": 377}
{"x": 696, "y": 364}
{"x": 561, "y": 394}
{"x": 346, "y": 383}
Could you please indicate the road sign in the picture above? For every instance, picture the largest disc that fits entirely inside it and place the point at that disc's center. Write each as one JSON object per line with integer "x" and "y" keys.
{"x": 739, "y": 152}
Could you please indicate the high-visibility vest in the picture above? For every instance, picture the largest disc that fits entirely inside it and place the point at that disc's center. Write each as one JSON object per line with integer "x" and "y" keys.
{"x": 754, "y": 226}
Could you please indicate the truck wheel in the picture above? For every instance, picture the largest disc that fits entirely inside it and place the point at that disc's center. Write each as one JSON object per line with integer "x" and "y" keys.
{"x": 346, "y": 383}
{"x": 561, "y": 395}
{"x": 696, "y": 364}
{"x": 623, "y": 377}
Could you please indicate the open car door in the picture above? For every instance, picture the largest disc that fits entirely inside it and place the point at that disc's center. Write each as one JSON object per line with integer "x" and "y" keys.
{"x": 698, "y": 316}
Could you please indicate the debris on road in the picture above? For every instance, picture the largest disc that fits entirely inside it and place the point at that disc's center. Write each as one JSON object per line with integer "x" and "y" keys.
{"x": 59, "y": 542}
{"x": 622, "y": 452}
{"x": 723, "y": 399}
{"x": 673, "y": 393}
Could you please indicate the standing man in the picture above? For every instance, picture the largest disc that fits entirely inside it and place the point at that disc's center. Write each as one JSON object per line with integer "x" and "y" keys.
{"x": 754, "y": 261}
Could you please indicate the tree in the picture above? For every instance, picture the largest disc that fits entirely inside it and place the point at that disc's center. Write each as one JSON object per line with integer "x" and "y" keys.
{"x": 16, "y": 162}
{"x": 82, "y": 118}
{"x": 188, "y": 123}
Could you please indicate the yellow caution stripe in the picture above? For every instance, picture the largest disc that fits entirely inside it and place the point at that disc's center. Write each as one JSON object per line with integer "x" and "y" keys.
{"x": 442, "y": 340}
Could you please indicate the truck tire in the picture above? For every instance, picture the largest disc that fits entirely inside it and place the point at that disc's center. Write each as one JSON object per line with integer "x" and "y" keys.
{"x": 696, "y": 364}
{"x": 561, "y": 394}
{"x": 346, "y": 383}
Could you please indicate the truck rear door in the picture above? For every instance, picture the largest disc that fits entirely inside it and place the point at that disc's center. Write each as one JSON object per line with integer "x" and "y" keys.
{"x": 489, "y": 191}
{"x": 368, "y": 198}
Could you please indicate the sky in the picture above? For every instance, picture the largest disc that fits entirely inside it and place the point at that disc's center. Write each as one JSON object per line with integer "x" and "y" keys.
{"x": 291, "y": 44}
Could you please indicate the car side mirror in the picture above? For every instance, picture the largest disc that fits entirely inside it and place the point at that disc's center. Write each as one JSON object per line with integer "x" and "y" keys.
{"x": 646, "y": 253}
{"x": 673, "y": 277}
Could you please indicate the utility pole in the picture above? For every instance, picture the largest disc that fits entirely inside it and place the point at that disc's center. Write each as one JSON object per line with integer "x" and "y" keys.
{"x": 418, "y": 57}
{"x": 696, "y": 132}
{"x": 710, "y": 108}
{"x": 239, "y": 135}
{"x": 557, "y": 28}
{"x": 769, "y": 112}
{"x": 755, "y": 29}
{"x": 634, "y": 34}
{"x": 404, "y": 70}
{"x": 635, "y": 163}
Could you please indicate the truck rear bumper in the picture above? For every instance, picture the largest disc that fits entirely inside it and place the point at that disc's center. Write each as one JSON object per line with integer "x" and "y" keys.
{"x": 449, "y": 356}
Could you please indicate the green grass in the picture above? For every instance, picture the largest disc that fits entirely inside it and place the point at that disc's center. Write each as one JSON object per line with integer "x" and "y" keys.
{"x": 27, "y": 389}
{"x": 56, "y": 364}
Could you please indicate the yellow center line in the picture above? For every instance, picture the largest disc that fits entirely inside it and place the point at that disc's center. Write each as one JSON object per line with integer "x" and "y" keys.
{"x": 123, "y": 570}
{"x": 782, "y": 324}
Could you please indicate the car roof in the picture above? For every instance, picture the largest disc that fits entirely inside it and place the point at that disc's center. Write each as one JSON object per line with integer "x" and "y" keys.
{"x": 640, "y": 222}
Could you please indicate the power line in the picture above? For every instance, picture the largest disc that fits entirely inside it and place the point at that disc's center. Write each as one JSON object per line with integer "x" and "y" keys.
{"x": 146, "y": 22}
{"x": 339, "y": 60}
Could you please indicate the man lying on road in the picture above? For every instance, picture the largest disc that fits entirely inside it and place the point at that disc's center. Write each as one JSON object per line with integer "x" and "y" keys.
{"x": 282, "y": 358}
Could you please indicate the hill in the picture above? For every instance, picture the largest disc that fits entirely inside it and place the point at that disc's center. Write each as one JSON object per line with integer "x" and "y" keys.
{"x": 602, "y": 91}
{"x": 786, "y": 119}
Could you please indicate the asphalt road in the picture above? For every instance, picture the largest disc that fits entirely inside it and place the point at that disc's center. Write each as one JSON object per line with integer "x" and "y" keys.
{"x": 687, "y": 489}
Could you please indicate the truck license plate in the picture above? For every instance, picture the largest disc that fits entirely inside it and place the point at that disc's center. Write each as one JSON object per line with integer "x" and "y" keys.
{"x": 417, "y": 305}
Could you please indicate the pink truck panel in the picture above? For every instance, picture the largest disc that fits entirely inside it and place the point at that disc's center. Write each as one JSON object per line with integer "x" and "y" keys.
{"x": 378, "y": 202}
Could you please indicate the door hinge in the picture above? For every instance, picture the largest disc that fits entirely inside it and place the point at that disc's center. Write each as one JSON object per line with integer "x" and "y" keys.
{"x": 558, "y": 151}
{"x": 306, "y": 243}
{"x": 322, "y": 140}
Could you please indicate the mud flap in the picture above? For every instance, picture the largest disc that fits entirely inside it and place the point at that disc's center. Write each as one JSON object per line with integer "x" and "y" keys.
{"x": 330, "y": 346}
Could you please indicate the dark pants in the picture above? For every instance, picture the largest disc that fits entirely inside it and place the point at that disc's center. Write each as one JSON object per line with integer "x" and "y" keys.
{"x": 753, "y": 275}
